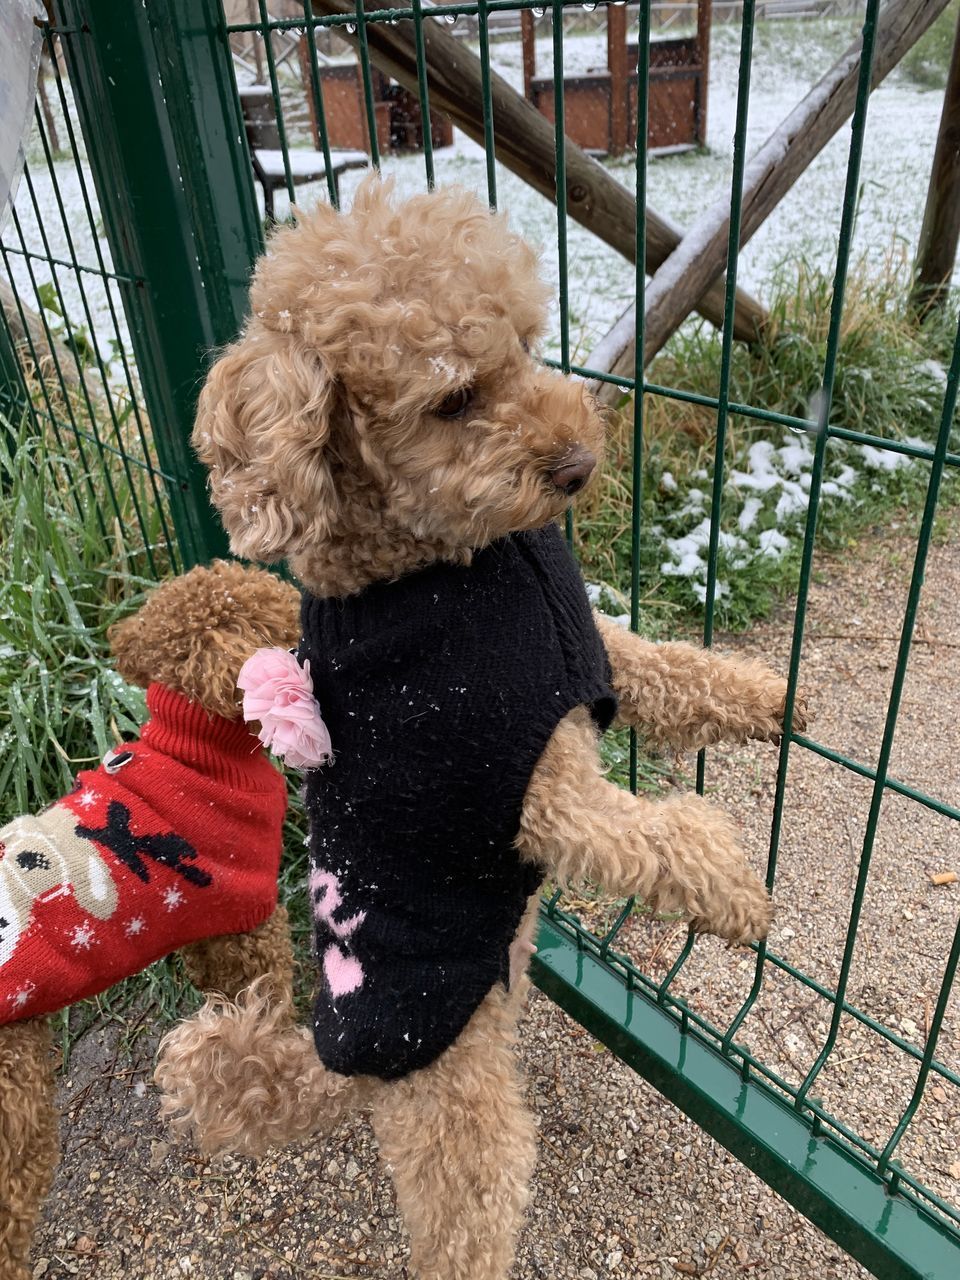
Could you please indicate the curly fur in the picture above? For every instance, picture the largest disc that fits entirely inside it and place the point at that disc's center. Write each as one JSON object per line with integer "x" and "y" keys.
{"x": 195, "y": 633}
{"x": 268, "y": 1085}
{"x": 324, "y": 431}
{"x": 318, "y": 425}
{"x": 29, "y": 1138}
{"x": 192, "y": 634}
{"x": 682, "y": 698}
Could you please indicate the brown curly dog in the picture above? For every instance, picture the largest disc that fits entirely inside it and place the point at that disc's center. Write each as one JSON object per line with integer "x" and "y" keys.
{"x": 383, "y": 424}
{"x": 103, "y": 882}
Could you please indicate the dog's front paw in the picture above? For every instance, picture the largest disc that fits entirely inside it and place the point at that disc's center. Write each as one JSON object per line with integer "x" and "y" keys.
{"x": 742, "y": 913}
{"x": 768, "y": 721}
{"x": 800, "y": 712}
{"x": 718, "y": 890}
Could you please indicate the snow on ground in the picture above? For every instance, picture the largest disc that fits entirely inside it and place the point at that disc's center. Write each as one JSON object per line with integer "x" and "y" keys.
{"x": 789, "y": 57}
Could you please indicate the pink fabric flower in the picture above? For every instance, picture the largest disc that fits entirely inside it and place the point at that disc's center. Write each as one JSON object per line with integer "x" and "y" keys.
{"x": 278, "y": 692}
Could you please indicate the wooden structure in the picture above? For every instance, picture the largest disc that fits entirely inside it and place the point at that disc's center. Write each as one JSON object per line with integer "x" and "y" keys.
{"x": 699, "y": 260}
{"x": 601, "y": 106}
{"x": 525, "y": 144}
{"x": 266, "y": 153}
{"x": 940, "y": 233}
{"x": 397, "y": 114}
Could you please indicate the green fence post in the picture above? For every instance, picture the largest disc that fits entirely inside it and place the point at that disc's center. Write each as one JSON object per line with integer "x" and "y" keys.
{"x": 166, "y": 147}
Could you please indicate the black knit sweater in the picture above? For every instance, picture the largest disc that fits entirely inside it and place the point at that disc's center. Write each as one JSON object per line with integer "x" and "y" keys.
{"x": 440, "y": 691}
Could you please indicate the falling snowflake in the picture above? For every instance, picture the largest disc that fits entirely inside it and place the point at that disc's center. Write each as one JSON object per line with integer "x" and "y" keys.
{"x": 172, "y": 898}
{"x": 135, "y": 926}
{"x": 83, "y": 936}
{"x": 87, "y": 799}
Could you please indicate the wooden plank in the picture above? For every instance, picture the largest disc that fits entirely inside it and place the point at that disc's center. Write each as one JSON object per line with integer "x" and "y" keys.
{"x": 525, "y": 145}
{"x": 704, "y": 20}
{"x": 617, "y": 64}
{"x": 529, "y": 46}
{"x": 940, "y": 233}
{"x": 699, "y": 261}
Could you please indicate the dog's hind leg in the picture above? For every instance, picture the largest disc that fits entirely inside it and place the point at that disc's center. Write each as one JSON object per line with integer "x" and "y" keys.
{"x": 683, "y": 698}
{"x": 29, "y": 1138}
{"x": 239, "y": 1076}
{"x": 460, "y": 1146}
{"x": 229, "y": 964}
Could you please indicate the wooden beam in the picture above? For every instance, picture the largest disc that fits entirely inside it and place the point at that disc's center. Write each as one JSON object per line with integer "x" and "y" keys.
{"x": 617, "y": 66}
{"x": 524, "y": 142}
{"x": 940, "y": 233}
{"x": 528, "y": 43}
{"x": 699, "y": 261}
{"x": 704, "y": 19}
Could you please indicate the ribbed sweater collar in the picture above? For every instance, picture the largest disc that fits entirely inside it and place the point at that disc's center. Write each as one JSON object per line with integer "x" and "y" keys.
{"x": 224, "y": 750}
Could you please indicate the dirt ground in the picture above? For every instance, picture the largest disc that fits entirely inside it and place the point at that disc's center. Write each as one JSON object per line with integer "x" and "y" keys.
{"x": 625, "y": 1186}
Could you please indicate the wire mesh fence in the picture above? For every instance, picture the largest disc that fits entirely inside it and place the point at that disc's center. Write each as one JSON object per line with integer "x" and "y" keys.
{"x": 296, "y": 101}
{"x": 64, "y": 334}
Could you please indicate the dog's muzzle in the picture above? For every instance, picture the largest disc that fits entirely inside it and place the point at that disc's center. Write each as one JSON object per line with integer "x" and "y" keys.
{"x": 573, "y": 471}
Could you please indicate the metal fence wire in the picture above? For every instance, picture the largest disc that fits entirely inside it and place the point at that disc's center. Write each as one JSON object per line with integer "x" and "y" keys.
{"x": 127, "y": 265}
{"x": 64, "y": 349}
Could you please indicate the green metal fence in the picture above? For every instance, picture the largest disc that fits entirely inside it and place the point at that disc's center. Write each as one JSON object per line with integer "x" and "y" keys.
{"x": 163, "y": 167}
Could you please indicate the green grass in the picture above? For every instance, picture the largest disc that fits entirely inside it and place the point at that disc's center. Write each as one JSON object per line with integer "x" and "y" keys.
{"x": 928, "y": 61}
{"x": 889, "y": 383}
{"x": 64, "y": 705}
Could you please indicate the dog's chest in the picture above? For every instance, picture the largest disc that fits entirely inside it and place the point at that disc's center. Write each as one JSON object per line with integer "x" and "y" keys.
{"x": 440, "y": 692}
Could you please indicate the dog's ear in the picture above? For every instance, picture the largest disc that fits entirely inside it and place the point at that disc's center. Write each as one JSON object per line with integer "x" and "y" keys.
{"x": 262, "y": 425}
{"x": 130, "y": 650}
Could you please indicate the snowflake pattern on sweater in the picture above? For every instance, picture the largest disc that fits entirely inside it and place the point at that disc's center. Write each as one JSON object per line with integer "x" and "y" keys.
{"x": 173, "y": 839}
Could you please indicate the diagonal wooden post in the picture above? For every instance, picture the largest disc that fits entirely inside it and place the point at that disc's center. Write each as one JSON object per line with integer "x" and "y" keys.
{"x": 940, "y": 233}
{"x": 700, "y": 260}
{"x": 525, "y": 144}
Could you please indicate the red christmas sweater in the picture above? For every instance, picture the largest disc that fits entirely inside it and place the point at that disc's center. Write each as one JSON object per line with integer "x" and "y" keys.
{"x": 172, "y": 839}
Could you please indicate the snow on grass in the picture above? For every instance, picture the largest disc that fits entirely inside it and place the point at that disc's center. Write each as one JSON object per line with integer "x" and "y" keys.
{"x": 789, "y": 57}
{"x": 768, "y": 481}
{"x": 766, "y": 499}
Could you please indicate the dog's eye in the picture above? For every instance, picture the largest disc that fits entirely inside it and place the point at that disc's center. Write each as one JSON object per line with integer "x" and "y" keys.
{"x": 455, "y": 404}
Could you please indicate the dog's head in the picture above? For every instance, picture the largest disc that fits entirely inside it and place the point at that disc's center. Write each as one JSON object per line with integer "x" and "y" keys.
{"x": 384, "y": 394}
{"x": 195, "y": 631}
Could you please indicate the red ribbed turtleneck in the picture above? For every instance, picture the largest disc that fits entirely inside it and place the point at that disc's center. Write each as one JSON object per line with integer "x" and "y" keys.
{"x": 173, "y": 839}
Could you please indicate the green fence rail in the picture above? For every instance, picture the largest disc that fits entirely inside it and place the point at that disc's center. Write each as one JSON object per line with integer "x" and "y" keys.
{"x": 120, "y": 289}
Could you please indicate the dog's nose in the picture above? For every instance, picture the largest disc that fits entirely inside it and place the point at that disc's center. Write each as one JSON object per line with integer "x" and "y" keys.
{"x": 574, "y": 471}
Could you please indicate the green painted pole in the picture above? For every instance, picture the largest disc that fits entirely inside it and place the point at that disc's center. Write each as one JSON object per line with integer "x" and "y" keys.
{"x": 166, "y": 145}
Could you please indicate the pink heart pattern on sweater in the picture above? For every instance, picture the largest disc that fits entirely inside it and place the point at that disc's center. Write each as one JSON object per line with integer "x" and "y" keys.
{"x": 343, "y": 973}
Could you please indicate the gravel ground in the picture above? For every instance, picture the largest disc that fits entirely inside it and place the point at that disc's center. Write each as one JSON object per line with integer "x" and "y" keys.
{"x": 625, "y": 1186}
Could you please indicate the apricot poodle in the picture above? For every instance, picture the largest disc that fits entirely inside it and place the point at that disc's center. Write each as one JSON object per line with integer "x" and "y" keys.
{"x": 173, "y": 839}
{"x": 384, "y": 425}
